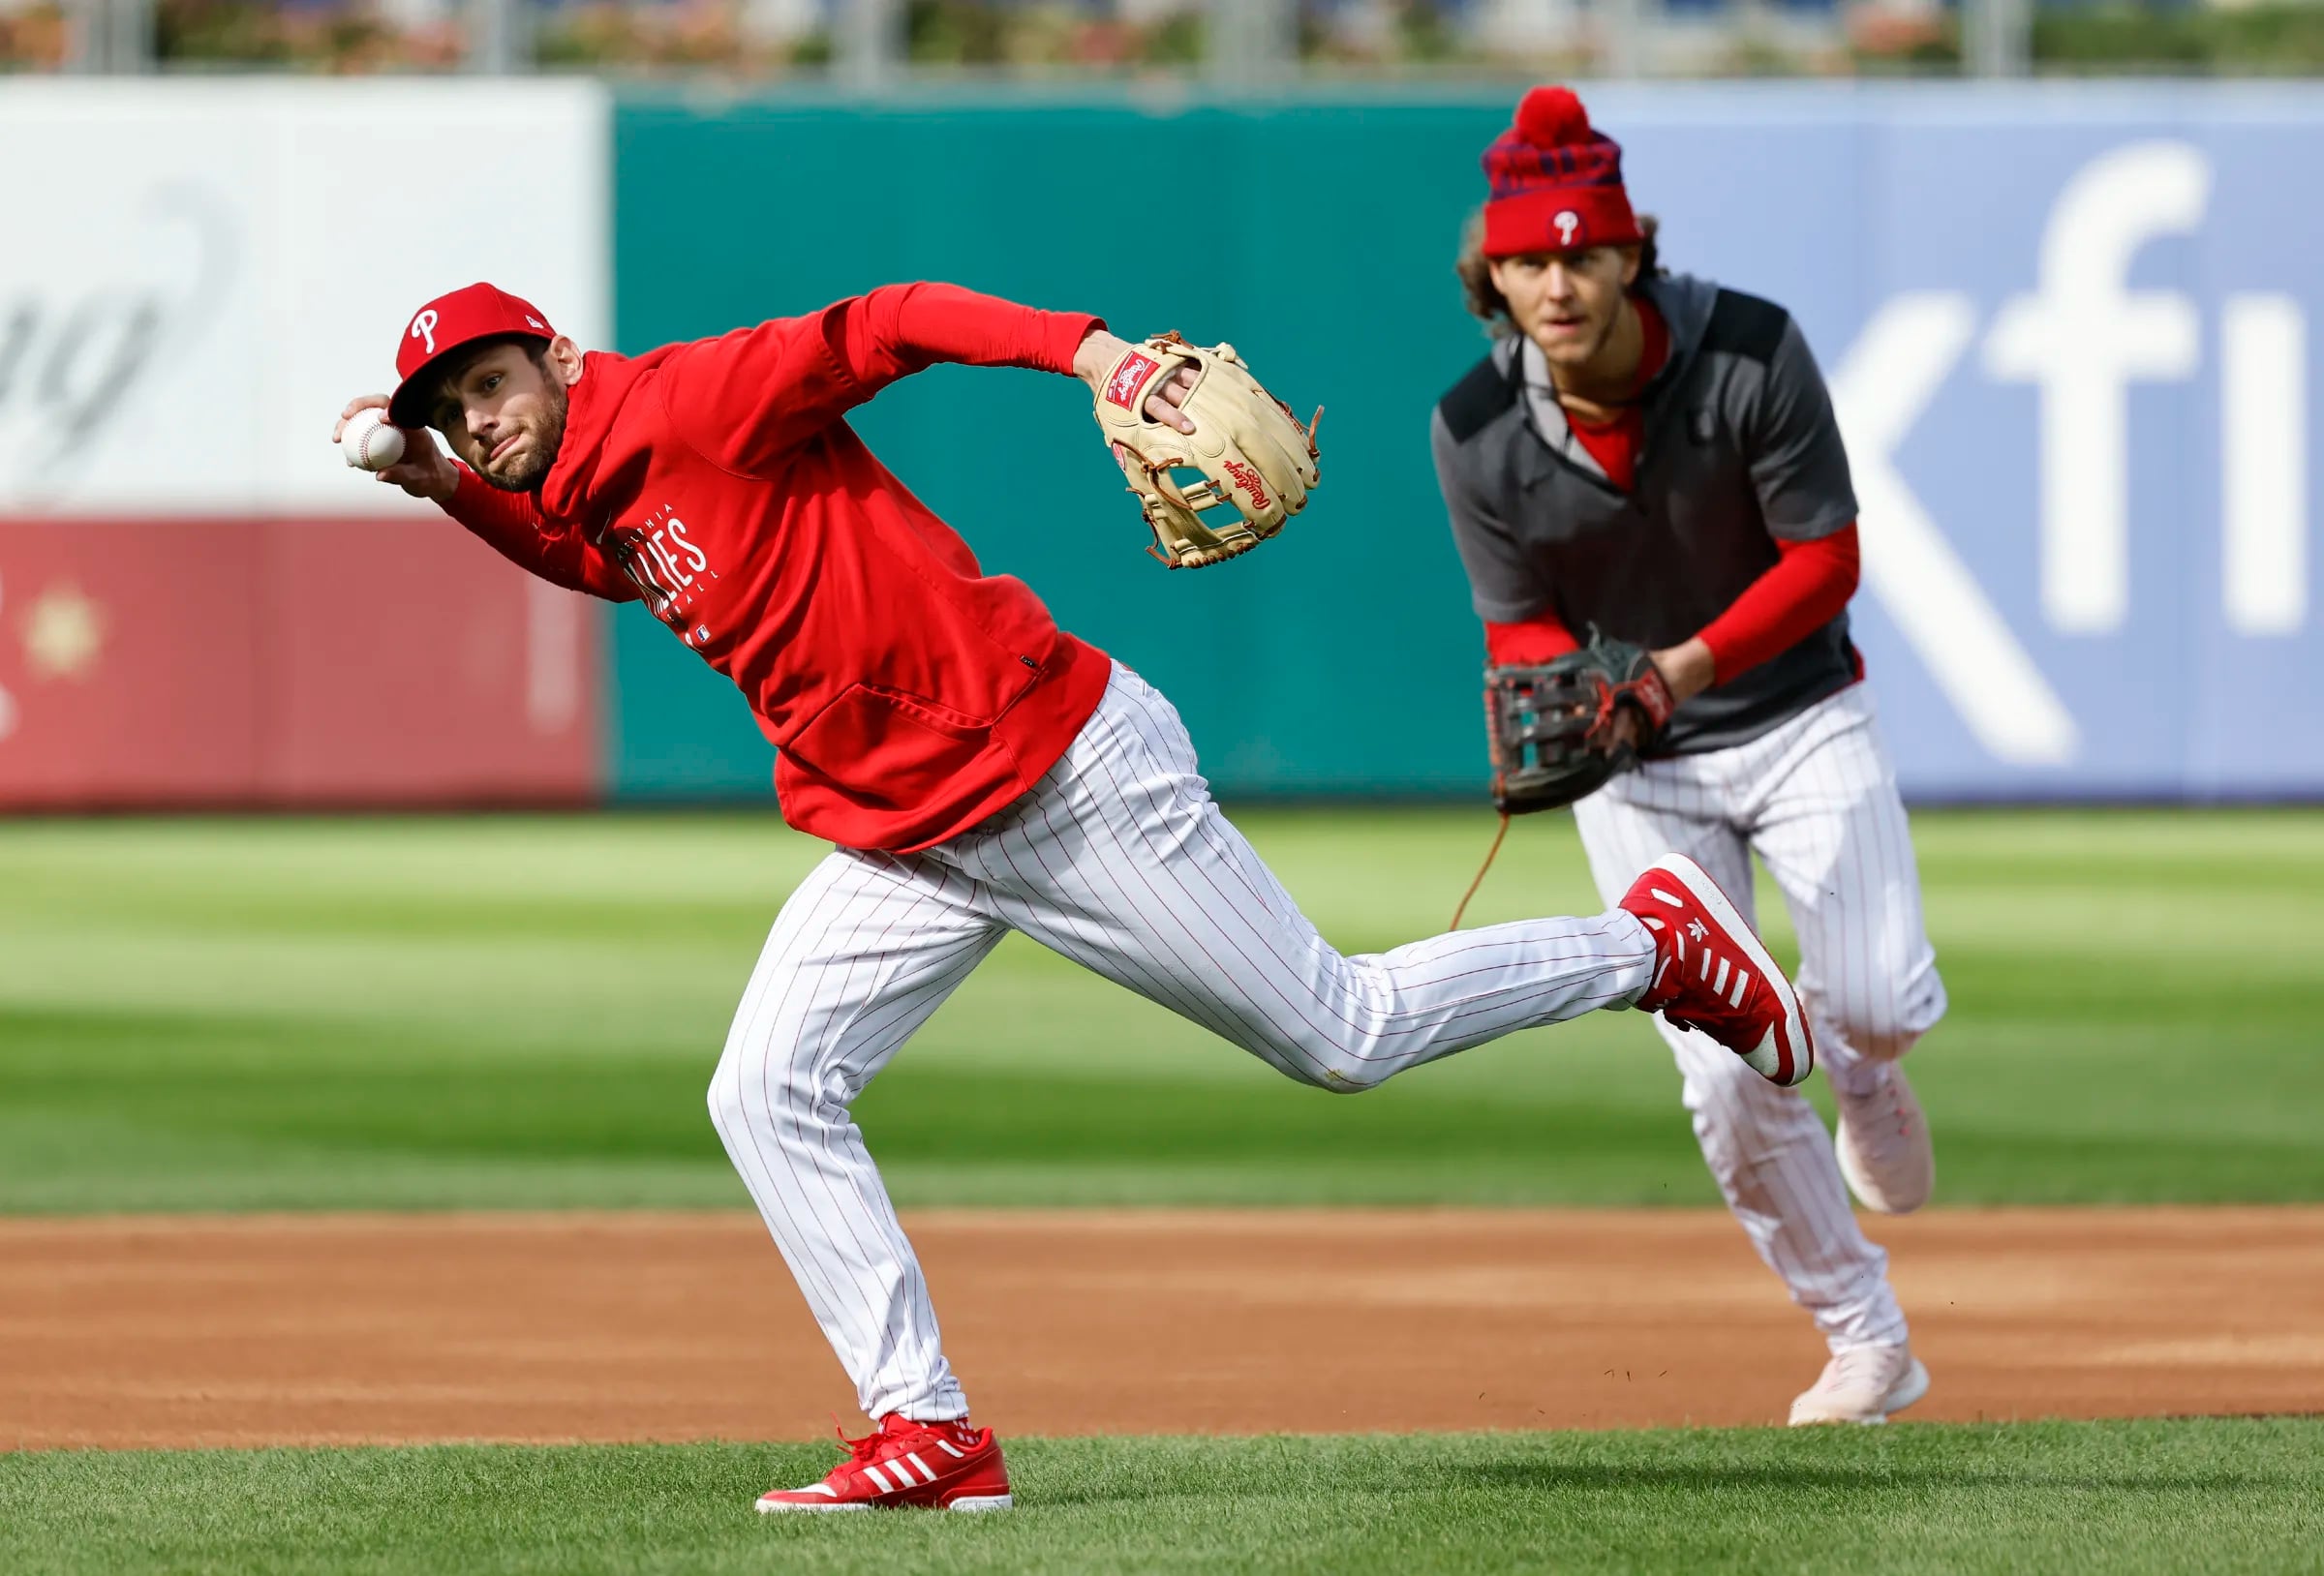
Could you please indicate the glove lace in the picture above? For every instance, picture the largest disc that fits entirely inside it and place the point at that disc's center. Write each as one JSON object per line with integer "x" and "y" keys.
{"x": 1489, "y": 854}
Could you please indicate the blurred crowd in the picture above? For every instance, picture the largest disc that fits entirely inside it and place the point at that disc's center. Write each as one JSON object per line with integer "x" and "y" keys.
{"x": 761, "y": 39}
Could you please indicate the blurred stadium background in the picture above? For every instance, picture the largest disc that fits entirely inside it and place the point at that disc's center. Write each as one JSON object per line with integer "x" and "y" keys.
{"x": 2071, "y": 324}
{"x": 2070, "y": 328}
{"x": 863, "y": 43}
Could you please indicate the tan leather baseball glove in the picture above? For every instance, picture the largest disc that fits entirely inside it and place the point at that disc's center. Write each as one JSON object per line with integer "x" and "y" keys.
{"x": 1252, "y": 452}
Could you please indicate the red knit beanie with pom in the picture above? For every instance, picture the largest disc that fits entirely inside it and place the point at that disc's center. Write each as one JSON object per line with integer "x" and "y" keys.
{"x": 1556, "y": 183}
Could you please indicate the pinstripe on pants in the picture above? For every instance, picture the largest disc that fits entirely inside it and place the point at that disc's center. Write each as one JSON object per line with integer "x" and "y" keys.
{"x": 1817, "y": 800}
{"x": 1119, "y": 860}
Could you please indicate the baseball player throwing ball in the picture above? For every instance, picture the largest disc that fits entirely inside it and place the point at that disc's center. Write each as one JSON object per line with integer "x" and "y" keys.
{"x": 979, "y": 770}
{"x": 1650, "y": 463}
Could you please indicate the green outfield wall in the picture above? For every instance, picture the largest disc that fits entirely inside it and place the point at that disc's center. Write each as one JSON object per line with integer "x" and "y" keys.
{"x": 1342, "y": 659}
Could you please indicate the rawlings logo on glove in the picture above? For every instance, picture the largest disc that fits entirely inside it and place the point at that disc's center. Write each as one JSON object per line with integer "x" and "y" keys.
{"x": 1255, "y": 457}
{"x": 1129, "y": 379}
{"x": 1249, "y": 481}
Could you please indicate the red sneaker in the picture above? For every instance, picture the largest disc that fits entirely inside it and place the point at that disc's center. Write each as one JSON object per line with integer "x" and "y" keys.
{"x": 944, "y": 1465}
{"x": 1711, "y": 973}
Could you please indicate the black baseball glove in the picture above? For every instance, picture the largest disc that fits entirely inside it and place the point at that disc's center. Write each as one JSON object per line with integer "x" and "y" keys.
{"x": 1551, "y": 728}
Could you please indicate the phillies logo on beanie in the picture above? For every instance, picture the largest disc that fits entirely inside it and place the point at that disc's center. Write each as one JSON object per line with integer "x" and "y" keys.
{"x": 1555, "y": 181}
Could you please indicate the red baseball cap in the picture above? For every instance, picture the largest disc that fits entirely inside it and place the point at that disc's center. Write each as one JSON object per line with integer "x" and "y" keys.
{"x": 446, "y": 325}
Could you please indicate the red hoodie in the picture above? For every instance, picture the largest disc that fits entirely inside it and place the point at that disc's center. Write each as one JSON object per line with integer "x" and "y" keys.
{"x": 910, "y": 695}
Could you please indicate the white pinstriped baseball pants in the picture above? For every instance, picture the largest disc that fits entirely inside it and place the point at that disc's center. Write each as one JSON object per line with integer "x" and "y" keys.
{"x": 1118, "y": 859}
{"x": 1817, "y": 800}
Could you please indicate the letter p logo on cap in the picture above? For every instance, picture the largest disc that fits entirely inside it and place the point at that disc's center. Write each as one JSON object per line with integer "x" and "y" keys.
{"x": 443, "y": 325}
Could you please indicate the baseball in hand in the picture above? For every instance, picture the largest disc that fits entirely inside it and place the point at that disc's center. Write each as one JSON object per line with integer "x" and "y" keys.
{"x": 370, "y": 442}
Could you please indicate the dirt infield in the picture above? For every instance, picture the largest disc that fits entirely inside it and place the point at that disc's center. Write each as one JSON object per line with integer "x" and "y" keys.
{"x": 328, "y": 1329}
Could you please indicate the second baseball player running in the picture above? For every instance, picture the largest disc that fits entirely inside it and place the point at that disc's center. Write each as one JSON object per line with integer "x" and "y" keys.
{"x": 1653, "y": 458}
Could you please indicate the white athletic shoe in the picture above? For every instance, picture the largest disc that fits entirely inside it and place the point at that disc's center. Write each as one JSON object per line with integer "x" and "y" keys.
{"x": 1884, "y": 1147}
{"x": 1862, "y": 1384}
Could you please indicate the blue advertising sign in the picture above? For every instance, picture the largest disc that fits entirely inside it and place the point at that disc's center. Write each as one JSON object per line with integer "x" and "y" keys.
{"x": 2070, "y": 333}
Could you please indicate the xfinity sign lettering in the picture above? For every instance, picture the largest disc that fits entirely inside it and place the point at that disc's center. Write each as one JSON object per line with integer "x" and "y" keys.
{"x": 2075, "y": 394}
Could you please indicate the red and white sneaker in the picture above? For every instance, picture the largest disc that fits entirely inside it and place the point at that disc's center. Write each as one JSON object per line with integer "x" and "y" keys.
{"x": 939, "y": 1466}
{"x": 1711, "y": 973}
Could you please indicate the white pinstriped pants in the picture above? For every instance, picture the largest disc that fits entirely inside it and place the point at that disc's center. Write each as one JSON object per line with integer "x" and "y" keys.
{"x": 1817, "y": 800}
{"x": 1118, "y": 859}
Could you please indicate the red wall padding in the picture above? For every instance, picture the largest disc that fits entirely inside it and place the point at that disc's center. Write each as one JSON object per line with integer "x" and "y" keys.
{"x": 288, "y": 662}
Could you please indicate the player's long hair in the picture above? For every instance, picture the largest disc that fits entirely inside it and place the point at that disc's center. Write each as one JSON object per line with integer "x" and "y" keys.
{"x": 1488, "y": 304}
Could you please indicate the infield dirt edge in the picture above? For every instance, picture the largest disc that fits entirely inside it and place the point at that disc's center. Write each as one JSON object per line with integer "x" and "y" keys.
{"x": 590, "y": 1326}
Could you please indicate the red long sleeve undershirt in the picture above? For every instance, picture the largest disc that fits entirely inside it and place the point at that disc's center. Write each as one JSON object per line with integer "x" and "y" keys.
{"x": 1799, "y": 593}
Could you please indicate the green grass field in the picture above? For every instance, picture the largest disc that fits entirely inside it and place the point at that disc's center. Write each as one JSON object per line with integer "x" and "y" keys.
{"x": 231, "y": 1014}
{"x": 2069, "y": 1498}
{"x": 518, "y": 1012}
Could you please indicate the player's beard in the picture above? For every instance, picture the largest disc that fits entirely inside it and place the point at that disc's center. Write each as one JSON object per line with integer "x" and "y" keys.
{"x": 548, "y": 438}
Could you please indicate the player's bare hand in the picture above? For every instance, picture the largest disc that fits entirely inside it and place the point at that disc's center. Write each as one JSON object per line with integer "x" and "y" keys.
{"x": 1163, "y": 406}
{"x": 424, "y": 471}
{"x": 1098, "y": 352}
{"x": 361, "y": 401}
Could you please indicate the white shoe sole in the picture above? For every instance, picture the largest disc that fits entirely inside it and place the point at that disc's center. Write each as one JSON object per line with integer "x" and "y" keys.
{"x": 971, "y": 1504}
{"x": 1765, "y": 1060}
